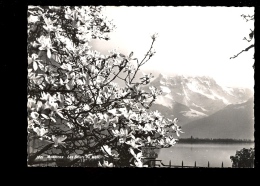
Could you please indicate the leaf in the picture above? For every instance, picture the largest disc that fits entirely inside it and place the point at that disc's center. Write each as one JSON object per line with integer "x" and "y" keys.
{"x": 131, "y": 159}
{"x": 60, "y": 114}
{"x": 87, "y": 79}
{"x": 55, "y": 74}
{"x": 79, "y": 151}
{"x": 70, "y": 125}
{"x": 49, "y": 53}
{"x": 53, "y": 119}
{"x": 46, "y": 117}
{"x": 61, "y": 82}
{"x": 79, "y": 82}
{"x": 113, "y": 111}
{"x": 34, "y": 115}
{"x": 41, "y": 66}
{"x": 132, "y": 152}
{"x": 39, "y": 11}
{"x": 121, "y": 55}
{"x": 66, "y": 16}
{"x": 86, "y": 107}
{"x": 131, "y": 54}
{"x": 69, "y": 67}
{"x": 29, "y": 60}
{"x": 67, "y": 86}
{"x": 71, "y": 107}
{"x": 35, "y": 66}
{"x": 46, "y": 79}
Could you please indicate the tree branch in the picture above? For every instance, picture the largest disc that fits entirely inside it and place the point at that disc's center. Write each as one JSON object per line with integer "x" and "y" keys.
{"x": 33, "y": 157}
{"x": 251, "y": 46}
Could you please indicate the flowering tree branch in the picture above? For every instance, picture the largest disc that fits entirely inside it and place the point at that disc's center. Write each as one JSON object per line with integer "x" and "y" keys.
{"x": 74, "y": 106}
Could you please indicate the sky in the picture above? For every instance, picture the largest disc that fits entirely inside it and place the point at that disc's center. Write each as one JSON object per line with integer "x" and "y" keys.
{"x": 196, "y": 41}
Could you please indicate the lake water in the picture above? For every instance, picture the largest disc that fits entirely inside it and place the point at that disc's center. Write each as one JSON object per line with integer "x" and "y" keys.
{"x": 201, "y": 153}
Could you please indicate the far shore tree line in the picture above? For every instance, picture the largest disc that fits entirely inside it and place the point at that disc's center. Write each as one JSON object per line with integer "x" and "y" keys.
{"x": 213, "y": 140}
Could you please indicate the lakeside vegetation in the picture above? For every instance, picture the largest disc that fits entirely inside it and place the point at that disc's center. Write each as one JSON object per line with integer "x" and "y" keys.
{"x": 211, "y": 140}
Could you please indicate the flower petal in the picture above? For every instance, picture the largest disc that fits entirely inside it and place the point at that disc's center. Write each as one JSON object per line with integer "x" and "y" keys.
{"x": 34, "y": 115}
{"x": 49, "y": 53}
{"x": 35, "y": 66}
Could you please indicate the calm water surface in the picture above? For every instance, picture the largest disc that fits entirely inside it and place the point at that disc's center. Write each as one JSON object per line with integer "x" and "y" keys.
{"x": 201, "y": 153}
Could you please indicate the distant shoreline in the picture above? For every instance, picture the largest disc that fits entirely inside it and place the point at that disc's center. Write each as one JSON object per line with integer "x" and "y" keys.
{"x": 208, "y": 140}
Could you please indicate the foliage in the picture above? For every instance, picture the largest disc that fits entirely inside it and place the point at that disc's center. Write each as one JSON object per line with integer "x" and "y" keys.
{"x": 243, "y": 158}
{"x": 74, "y": 107}
{"x": 250, "y": 38}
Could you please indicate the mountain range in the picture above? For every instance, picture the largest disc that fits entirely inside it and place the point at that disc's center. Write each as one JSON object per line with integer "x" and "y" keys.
{"x": 198, "y": 101}
{"x": 235, "y": 121}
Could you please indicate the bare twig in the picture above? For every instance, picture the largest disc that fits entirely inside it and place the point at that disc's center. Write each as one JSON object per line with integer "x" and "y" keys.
{"x": 251, "y": 46}
{"x": 248, "y": 17}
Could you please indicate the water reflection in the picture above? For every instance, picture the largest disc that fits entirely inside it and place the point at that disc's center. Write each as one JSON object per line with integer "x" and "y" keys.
{"x": 215, "y": 154}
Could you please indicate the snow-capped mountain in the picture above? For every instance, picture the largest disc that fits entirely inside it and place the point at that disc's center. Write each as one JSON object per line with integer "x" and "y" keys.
{"x": 197, "y": 96}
